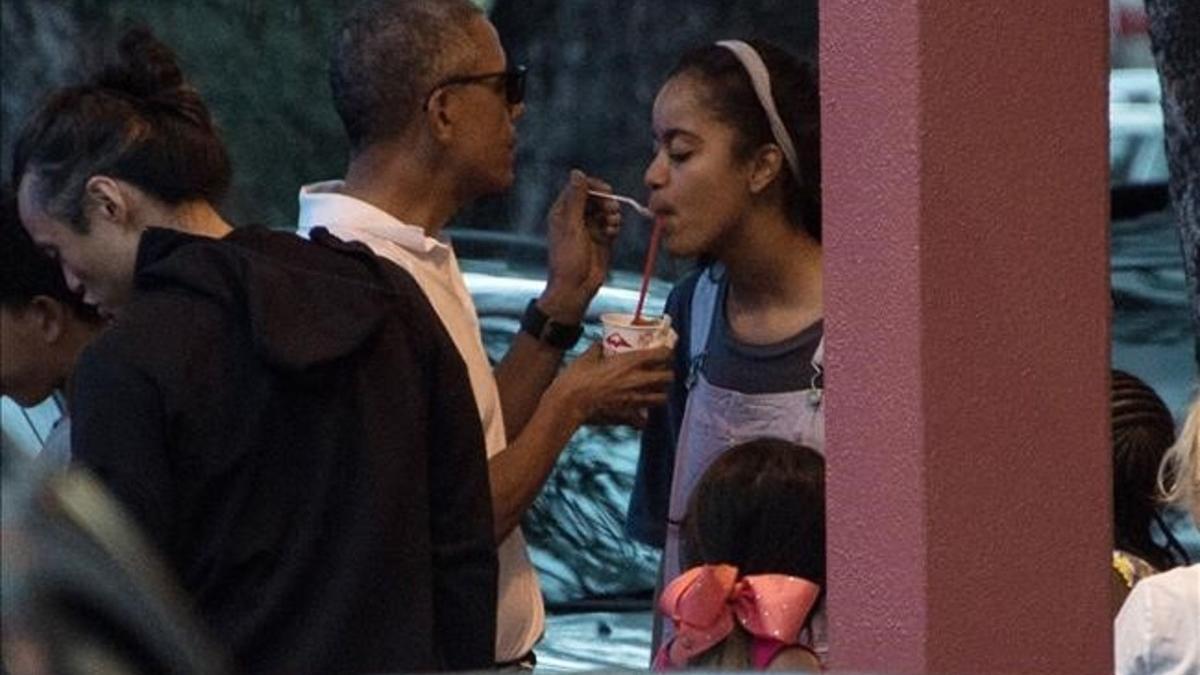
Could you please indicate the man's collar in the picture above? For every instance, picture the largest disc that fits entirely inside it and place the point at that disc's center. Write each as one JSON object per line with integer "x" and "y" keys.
{"x": 325, "y": 205}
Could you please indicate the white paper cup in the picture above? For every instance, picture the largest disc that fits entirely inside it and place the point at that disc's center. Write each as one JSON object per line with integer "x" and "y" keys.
{"x": 621, "y": 335}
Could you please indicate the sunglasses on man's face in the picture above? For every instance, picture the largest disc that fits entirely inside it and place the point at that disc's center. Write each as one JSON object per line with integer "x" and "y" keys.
{"x": 514, "y": 84}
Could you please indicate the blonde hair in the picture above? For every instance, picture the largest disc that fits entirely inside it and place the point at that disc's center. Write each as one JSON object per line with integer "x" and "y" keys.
{"x": 1177, "y": 473}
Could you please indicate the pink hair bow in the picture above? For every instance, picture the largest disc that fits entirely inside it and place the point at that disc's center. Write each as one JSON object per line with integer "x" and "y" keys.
{"x": 704, "y": 601}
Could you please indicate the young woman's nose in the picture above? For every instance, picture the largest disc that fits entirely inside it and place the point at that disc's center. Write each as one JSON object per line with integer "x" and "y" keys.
{"x": 656, "y": 174}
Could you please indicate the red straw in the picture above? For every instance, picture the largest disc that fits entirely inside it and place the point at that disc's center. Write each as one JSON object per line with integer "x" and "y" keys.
{"x": 651, "y": 256}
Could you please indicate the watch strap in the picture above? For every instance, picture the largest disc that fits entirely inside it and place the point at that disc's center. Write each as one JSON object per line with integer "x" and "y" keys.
{"x": 558, "y": 335}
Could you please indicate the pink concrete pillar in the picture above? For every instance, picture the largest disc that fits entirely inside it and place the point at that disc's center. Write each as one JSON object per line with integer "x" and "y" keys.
{"x": 966, "y": 240}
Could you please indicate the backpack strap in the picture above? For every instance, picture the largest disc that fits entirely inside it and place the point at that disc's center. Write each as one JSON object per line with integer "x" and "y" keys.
{"x": 703, "y": 313}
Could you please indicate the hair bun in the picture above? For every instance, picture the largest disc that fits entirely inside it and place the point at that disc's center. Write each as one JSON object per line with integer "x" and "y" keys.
{"x": 145, "y": 68}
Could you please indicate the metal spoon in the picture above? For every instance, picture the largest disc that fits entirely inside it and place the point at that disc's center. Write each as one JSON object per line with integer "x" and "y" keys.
{"x": 642, "y": 210}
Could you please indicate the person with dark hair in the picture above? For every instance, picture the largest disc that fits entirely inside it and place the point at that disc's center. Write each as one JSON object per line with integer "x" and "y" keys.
{"x": 1142, "y": 430}
{"x": 735, "y": 181}
{"x": 43, "y": 328}
{"x": 1157, "y": 631}
{"x": 130, "y": 146}
{"x": 429, "y": 103}
{"x": 754, "y": 555}
{"x": 235, "y": 407}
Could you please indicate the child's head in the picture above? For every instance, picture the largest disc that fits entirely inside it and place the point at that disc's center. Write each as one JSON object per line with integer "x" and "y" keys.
{"x": 761, "y": 508}
{"x": 42, "y": 323}
{"x": 1142, "y": 430}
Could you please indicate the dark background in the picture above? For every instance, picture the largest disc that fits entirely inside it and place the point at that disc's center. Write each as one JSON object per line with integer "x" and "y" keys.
{"x": 595, "y": 66}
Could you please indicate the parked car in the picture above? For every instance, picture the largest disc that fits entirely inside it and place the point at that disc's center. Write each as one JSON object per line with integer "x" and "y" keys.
{"x": 1152, "y": 332}
{"x": 1137, "y": 154}
{"x": 1134, "y": 85}
{"x": 1151, "y": 327}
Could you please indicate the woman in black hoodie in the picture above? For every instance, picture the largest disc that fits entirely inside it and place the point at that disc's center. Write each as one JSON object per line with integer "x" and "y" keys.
{"x": 286, "y": 420}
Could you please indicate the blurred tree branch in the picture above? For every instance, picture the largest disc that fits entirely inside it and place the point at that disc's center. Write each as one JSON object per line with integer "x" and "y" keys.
{"x": 1175, "y": 43}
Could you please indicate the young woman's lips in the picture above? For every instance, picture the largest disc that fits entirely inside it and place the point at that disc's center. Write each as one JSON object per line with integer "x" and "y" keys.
{"x": 661, "y": 211}
{"x": 664, "y": 217}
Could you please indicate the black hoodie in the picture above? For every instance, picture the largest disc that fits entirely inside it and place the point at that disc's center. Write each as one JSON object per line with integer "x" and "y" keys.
{"x": 291, "y": 424}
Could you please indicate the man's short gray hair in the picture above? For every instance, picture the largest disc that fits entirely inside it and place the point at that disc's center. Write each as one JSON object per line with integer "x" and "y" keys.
{"x": 388, "y": 55}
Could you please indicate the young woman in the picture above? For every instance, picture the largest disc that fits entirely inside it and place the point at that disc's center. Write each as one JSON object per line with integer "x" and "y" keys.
{"x": 735, "y": 180}
{"x": 263, "y": 406}
{"x": 132, "y": 147}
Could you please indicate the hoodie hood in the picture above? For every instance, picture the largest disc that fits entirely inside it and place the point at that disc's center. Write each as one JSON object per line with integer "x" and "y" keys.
{"x": 303, "y": 303}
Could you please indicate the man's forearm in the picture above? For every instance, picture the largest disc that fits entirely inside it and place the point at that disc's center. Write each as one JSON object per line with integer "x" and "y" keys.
{"x": 522, "y": 377}
{"x": 530, "y": 364}
{"x": 518, "y": 472}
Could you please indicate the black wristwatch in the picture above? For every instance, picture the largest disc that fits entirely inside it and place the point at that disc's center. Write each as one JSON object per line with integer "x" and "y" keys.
{"x": 558, "y": 335}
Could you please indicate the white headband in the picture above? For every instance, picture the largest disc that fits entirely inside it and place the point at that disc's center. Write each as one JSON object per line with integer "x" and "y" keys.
{"x": 761, "y": 80}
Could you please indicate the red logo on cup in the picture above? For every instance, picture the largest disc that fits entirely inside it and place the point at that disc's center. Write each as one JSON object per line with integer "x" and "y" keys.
{"x": 615, "y": 341}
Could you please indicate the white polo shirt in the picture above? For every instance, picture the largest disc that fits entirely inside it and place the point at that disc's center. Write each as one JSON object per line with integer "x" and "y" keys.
{"x": 521, "y": 616}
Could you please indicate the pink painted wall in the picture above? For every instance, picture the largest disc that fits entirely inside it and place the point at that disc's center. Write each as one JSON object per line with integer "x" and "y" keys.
{"x": 966, "y": 240}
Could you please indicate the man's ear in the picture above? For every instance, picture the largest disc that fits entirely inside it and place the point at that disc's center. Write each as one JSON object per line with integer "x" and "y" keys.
{"x": 439, "y": 115}
{"x": 104, "y": 197}
{"x": 50, "y": 317}
{"x": 768, "y": 161}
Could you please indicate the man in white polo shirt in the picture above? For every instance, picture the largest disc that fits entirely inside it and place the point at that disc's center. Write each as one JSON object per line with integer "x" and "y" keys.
{"x": 429, "y": 104}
